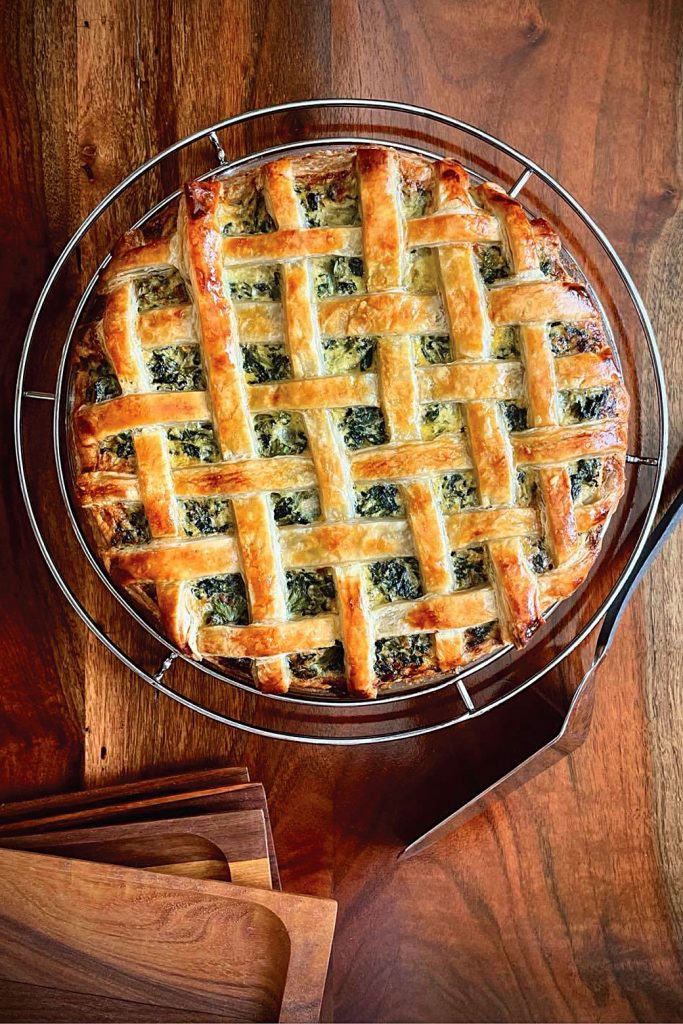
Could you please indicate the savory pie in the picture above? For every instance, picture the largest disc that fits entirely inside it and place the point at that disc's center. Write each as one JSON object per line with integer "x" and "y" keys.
{"x": 346, "y": 421}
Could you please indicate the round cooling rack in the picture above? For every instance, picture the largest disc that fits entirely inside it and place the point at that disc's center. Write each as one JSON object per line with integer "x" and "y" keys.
{"x": 296, "y": 128}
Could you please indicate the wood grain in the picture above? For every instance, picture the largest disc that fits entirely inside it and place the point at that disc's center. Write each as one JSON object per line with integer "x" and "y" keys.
{"x": 152, "y": 800}
{"x": 563, "y": 903}
{"x": 202, "y": 946}
{"x": 231, "y": 846}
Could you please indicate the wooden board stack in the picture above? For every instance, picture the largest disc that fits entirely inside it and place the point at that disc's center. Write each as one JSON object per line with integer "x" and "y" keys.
{"x": 155, "y": 900}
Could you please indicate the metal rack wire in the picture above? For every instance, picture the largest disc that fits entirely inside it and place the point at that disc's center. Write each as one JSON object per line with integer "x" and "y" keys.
{"x": 58, "y": 395}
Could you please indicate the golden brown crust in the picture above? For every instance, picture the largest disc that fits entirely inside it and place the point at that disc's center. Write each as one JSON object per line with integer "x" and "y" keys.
{"x": 516, "y": 459}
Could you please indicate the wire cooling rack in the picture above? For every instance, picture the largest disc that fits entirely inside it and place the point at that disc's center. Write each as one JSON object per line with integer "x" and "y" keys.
{"x": 510, "y": 672}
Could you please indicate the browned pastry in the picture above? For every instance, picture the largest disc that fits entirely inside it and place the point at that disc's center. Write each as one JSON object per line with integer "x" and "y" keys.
{"x": 347, "y": 416}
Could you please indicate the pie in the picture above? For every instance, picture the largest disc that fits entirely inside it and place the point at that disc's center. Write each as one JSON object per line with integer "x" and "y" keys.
{"x": 345, "y": 421}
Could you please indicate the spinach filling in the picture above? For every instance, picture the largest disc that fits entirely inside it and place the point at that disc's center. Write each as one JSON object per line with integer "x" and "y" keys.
{"x": 176, "y": 369}
{"x": 469, "y": 567}
{"x": 280, "y": 433}
{"x": 527, "y": 487}
{"x": 295, "y": 507}
{"x": 131, "y": 526}
{"x": 538, "y": 556}
{"x": 201, "y": 516}
{"x": 378, "y": 501}
{"x": 330, "y": 204}
{"x": 193, "y": 442}
{"x": 394, "y": 579}
{"x": 458, "y": 491}
{"x": 593, "y": 404}
{"x": 398, "y": 656}
{"x": 493, "y": 263}
{"x": 515, "y": 416}
{"x": 477, "y": 635}
{"x": 585, "y": 478}
{"x": 338, "y": 275}
{"x": 416, "y": 199}
{"x": 253, "y": 284}
{"x": 118, "y": 446}
{"x": 435, "y": 348}
{"x": 361, "y": 426}
{"x": 326, "y": 661}
{"x": 309, "y": 591}
{"x": 103, "y": 383}
{"x": 223, "y": 599}
{"x": 345, "y": 354}
{"x": 567, "y": 338}
{"x": 505, "y": 343}
{"x": 262, "y": 363}
{"x": 441, "y": 418}
{"x": 160, "y": 289}
{"x": 250, "y": 217}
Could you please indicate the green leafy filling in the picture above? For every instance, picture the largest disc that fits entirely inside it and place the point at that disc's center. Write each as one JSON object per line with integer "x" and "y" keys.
{"x": 459, "y": 491}
{"x": 539, "y": 556}
{"x": 585, "y": 478}
{"x": 176, "y": 369}
{"x": 206, "y": 515}
{"x": 309, "y": 591}
{"x": 593, "y": 404}
{"x": 394, "y": 579}
{"x": 505, "y": 343}
{"x": 416, "y": 199}
{"x": 567, "y": 338}
{"x": 435, "y": 348}
{"x": 280, "y": 433}
{"x": 493, "y": 263}
{"x": 478, "y": 635}
{"x": 399, "y": 656}
{"x": 223, "y": 600}
{"x": 338, "y": 275}
{"x": 103, "y": 383}
{"x": 131, "y": 526}
{"x": 345, "y": 354}
{"x": 441, "y": 418}
{"x": 193, "y": 442}
{"x": 253, "y": 284}
{"x": 160, "y": 289}
{"x": 251, "y": 217}
{"x": 262, "y": 363}
{"x": 295, "y": 507}
{"x": 119, "y": 446}
{"x": 331, "y": 204}
{"x": 469, "y": 567}
{"x": 323, "y": 662}
{"x": 378, "y": 501}
{"x": 515, "y": 416}
{"x": 362, "y": 426}
{"x": 527, "y": 487}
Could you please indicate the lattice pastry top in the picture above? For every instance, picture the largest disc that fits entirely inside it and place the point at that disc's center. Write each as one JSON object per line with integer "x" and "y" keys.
{"x": 348, "y": 417}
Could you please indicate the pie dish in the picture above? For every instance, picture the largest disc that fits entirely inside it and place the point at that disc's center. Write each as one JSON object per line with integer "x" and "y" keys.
{"x": 346, "y": 422}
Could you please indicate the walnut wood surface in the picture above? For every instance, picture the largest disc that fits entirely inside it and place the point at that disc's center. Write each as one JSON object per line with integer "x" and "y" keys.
{"x": 200, "y": 945}
{"x": 564, "y": 902}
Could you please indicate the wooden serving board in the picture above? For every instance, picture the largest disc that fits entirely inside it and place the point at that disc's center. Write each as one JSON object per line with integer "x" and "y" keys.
{"x": 232, "y": 846}
{"x": 150, "y": 800}
{"x": 125, "y": 944}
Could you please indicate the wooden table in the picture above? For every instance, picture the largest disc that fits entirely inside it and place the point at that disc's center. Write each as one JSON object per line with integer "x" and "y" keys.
{"x": 565, "y": 902}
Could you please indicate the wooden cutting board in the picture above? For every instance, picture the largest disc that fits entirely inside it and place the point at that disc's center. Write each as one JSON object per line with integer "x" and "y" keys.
{"x": 172, "y": 796}
{"x": 232, "y": 846}
{"x": 125, "y": 944}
